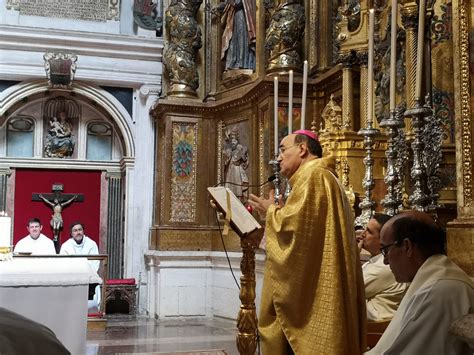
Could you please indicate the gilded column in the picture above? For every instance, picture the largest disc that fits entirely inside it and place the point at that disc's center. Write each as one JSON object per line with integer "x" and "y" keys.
{"x": 348, "y": 91}
{"x": 409, "y": 12}
{"x": 460, "y": 232}
{"x": 364, "y": 88}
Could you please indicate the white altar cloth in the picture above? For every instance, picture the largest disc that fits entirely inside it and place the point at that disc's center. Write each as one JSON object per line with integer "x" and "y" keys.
{"x": 51, "y": 291}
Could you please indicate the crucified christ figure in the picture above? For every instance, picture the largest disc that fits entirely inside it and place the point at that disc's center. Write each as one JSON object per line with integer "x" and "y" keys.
{"x": 56, "y": 218}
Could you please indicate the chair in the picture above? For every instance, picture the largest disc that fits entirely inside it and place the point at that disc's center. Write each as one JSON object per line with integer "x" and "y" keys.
{"x": 375, "y": 331}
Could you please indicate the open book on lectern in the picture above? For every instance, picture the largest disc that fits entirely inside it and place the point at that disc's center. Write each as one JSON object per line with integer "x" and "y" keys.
{"x": 241, "y": 220}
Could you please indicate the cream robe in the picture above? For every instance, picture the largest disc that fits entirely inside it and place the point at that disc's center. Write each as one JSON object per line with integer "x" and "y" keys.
{"x": 313, "y": 293}
{"x": 439, "y": 294}
{"x": 382, "y": 292}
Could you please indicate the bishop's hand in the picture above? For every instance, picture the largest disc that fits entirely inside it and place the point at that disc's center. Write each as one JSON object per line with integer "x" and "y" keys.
{"x": 261, "y": 204}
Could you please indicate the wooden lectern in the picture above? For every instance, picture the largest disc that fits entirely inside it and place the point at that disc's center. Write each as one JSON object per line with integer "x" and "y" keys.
{"x": 250, "y": 233}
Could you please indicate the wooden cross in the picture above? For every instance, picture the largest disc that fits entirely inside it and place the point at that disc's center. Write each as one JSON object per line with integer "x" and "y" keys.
{"x": 57, "y": 201}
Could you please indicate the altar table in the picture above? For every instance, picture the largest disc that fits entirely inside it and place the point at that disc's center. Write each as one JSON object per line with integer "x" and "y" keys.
{"x": 52, "y": 291}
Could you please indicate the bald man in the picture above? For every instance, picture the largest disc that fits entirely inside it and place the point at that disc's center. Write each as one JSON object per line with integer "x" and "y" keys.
{"x": 440, "y": 292}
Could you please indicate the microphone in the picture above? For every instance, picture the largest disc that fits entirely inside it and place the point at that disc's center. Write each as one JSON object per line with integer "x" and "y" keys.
{"x": 270, "y": 179}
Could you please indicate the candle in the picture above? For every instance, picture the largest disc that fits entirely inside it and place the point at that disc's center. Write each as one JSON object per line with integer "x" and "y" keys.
{"x": 275, "y": 114}
{"x": 303, "y": 102}
{"x": 290, "y": 103}
{"x": 370, "y": 78}
{"x": 5, "y": 231}
{"x": 419, "y": 51}
{"x": 393, "y": 56}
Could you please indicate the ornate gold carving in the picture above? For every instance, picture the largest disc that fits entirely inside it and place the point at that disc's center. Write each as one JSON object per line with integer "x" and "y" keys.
{"x": 465, "y": 78}
{"x": 332, "y": 116}
{"x": 183, "y": 239}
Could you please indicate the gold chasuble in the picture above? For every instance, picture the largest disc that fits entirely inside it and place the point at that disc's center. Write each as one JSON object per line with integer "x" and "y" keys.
{"x": 313, "y": 291}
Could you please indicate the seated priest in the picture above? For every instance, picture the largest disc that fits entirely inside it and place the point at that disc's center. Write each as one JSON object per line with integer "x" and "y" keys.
{"x": 35, "y": 242}
{"x": 382, "y": 293}
{"x": 80, "y": 244}
{"x": 312, "y": 296}
{"x": 440, "y": 292}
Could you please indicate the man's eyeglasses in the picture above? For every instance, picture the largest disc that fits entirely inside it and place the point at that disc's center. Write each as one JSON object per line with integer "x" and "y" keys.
{"x": 386, "y": 248}
{"x": 284, "y": 149}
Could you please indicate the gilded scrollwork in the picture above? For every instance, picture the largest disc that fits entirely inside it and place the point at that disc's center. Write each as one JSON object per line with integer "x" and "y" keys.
{"x": 181, "y": 49}
{"x": 283, "y": 36}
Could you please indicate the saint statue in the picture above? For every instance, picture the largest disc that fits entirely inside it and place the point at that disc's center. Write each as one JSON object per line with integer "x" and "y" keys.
{"x": 59, "y": 141}
{"x": 239, "y": 36}
{"x": 235, "y": 164}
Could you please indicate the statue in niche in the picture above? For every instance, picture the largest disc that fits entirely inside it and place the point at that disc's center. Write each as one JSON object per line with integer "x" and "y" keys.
{"x": 59, "y": 142}
{"x": 235, "y": 164}
{"x": 239, "y": 35}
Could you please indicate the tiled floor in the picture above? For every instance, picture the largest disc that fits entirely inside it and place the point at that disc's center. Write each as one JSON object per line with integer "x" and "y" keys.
{"x": 144, "y": 335}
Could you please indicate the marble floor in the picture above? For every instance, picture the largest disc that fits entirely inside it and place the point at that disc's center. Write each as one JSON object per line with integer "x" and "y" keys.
{"x": 145, "y": 336}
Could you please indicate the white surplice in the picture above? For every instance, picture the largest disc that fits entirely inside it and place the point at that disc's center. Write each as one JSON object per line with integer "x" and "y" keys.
{"x": 440, "y": 293}
{"x": 40, "y": 246}
{"x": 382, "y": 292}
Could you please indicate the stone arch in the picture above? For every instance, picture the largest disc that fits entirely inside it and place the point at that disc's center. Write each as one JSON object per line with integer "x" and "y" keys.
{"x": 16, "y": 94}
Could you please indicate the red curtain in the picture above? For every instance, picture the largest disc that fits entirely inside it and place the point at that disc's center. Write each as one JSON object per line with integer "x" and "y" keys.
{"x": 31, "y": 181}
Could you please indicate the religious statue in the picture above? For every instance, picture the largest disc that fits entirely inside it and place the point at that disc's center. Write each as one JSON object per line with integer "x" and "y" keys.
{"x": 235, "y": 164}
{"x": 56, "y": 218}
{"x": 59, "y": 142}
{"x": 239, "y": 35}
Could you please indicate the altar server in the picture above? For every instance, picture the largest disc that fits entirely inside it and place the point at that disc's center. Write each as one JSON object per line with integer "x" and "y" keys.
{"x": 35, "y": 243}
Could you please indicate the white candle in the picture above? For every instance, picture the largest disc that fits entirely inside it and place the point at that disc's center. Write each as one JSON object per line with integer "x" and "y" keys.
{"x": 275, "y": 114}
{"x": 393, "y": 56}
{"x": 290, "y": 103}
{"x": 5, "y": 231}
{"x": 370, "y": 78}
{"x": 303, "y": 102}
{"x": 419, "y": 51}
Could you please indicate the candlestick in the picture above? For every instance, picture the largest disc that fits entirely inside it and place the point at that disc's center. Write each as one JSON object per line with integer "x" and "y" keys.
{"x": 370, "y": 69}
{"x": 393, "y": 55}
{"x": 303, "y": 102}
{"x": 419, "y": 50}
{"x": 290, "y": 103}
{"x": 5, "y": 231}
{"x": 275, "y": 114}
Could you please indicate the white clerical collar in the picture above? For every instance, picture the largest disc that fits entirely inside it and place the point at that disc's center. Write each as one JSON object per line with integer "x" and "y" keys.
{"x": 375, "y": 258}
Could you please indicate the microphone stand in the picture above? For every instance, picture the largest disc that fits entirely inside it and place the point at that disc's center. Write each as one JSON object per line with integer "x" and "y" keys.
{"x": 277, "y": 181}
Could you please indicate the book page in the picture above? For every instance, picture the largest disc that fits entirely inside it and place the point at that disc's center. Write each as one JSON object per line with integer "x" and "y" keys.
{"x": 241, "y": 218}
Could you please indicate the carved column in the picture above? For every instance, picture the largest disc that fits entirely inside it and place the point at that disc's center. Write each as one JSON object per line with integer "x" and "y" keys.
{"x": 348, "y": 92}
{"x": 4, "y": 174}
{"x": 409, "y": 11}
{"x": 364, "y": 88}
{"x": 460, "y": 232}
{"x": 247, "y": 317}
{"x": 283, "y": 37}
{"x": 180, "y": 53}
{"x": 115, "y": 235}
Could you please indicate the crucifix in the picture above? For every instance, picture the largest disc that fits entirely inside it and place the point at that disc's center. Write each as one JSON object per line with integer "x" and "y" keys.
{"x": 57, "y": 201}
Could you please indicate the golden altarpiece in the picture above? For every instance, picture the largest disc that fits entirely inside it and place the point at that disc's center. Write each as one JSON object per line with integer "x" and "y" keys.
{"x": 208, "y": 108}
